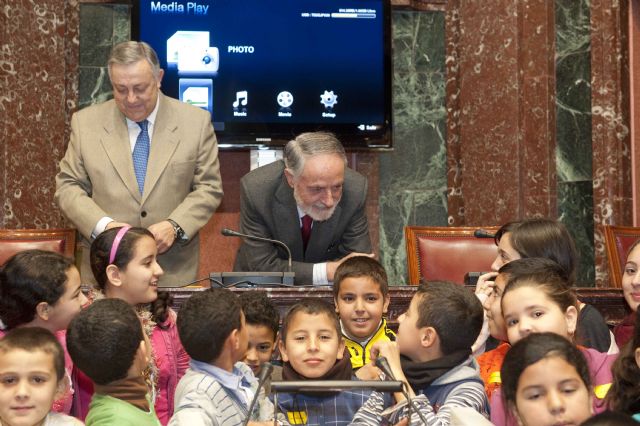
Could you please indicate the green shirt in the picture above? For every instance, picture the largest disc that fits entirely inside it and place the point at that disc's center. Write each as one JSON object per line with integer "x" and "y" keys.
{"x": 108, "y": 411}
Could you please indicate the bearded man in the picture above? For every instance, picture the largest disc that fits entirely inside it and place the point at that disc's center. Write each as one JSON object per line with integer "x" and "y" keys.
{"x": 313, "y": 203}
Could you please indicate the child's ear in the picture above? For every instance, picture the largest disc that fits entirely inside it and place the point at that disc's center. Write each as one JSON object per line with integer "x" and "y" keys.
{"x": 637, "y": 354}
{"x": 283, "y": 350}
{"x": 113, "y": 275}
{"x": 571, "y": 316}
{"x": 341, "y": 347}
{"x": 335, "y": 303}
{"x": 428, "y": 337}
{"x": 385, "y": 306}
{"x": 42, "y": 311}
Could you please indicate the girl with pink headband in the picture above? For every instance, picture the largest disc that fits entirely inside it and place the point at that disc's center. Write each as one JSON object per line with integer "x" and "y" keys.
{"x": 124, "y": 263}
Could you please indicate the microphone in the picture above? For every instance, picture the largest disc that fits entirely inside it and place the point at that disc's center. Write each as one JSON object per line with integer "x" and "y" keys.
{"x": 231, "y": 233}
{"x": 265, "y": 372}
{"x": 194, "y": 282}
{"x": 483, "y": 233}
{"x": 383, "y": 364}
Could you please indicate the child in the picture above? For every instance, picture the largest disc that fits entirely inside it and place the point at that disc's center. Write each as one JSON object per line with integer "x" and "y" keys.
{"x": 432, "y": 354}
{"x": 124, "y": 263}
{"x": 217, "y": 388}
{"x": 107, "y": 343}
{"x": 312, "y": 348}
{"x": 490, "y": 362}
{"x": 32, "y": 373}
{"x": 361, "y": 296}
{"x": 538, "y": 299}
{"x": 42, "y": 289}
{"x": 550, "y": 239}
{"x": 624, "y": 394}
{"x": 263, "y": 322}
{"x": 546, "y": 381}
{"x": 631, "y": 290}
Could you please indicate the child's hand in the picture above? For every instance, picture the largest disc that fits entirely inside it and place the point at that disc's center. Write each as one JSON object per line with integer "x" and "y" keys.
{"x": 403, "y": 422}
{"x": 388, "y": 350}
{"x": 368, "y": 372}
{"x": 485, "y": 284}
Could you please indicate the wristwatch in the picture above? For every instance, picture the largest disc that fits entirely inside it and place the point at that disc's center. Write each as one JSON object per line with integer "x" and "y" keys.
{"x": 178, "y": 232}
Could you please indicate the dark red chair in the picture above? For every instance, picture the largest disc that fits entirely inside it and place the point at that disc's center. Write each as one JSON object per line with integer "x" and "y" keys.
{"x": 12, "y": 241}
{"x": 447, "y": 253}
{"x": 618, "y": 241}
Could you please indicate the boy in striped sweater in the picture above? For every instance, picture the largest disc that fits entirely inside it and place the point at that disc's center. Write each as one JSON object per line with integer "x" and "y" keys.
{"x": 432, "y": 355}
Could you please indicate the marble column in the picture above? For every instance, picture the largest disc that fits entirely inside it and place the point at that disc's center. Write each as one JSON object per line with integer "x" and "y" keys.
{"x": 612, "y": 190}
{"x": 501, "y": 114}
{"x": 38, "y": 65}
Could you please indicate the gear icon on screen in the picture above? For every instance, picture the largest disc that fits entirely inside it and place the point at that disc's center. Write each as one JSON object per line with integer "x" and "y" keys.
{"x": 328, "y": 99}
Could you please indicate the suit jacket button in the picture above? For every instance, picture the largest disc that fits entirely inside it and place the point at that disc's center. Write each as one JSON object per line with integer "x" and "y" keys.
{"x": 143, "y": 214}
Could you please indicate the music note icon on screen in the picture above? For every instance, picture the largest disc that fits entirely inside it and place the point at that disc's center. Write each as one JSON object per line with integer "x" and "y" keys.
{"x": 241, "y": 99}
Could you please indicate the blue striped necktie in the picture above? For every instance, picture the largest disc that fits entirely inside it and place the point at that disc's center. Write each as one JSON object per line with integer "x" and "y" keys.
{"x": 141, "y": 154}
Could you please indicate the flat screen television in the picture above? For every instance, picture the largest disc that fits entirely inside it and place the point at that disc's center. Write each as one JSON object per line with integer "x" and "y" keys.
{"x": 268, "y": 70}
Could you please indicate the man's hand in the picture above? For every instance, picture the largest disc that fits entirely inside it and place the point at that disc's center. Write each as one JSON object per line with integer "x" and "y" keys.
{"x": 115, "y": 224}
{"x": 332, "y": 266}
{"x": 164, "y": 235}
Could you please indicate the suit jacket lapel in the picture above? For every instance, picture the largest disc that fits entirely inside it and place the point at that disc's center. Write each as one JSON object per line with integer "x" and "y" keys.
{"x": 115, "y": 142}
{"x": 163, "y": 144}
{"x": 286, "y": 219}
{"x": 321, "y": 237}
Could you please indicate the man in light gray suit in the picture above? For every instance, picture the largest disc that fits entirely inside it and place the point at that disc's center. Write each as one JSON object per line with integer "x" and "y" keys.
{"x": 141, "y": 159}
{"x": 313, "y": 203}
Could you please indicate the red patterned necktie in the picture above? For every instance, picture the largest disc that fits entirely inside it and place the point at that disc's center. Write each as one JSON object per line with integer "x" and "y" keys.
{"x": 306, "y": 229}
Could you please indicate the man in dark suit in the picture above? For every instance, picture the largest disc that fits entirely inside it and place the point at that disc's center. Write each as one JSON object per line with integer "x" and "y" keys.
{"x": 141, "y": 159}
{"x": 312, "y": 202}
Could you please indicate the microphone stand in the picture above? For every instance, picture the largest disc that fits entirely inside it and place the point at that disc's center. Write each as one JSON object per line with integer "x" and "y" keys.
{"x": 231, "y": 233}
{"x": 383, "y": 365}
{"x": 288, "y": 277}
{"x": 265, "y": 371}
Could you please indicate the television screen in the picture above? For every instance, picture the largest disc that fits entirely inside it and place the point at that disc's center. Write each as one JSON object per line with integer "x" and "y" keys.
{"x": 269, "y": 70}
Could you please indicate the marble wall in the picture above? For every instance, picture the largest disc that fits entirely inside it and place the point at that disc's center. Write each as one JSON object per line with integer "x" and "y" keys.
{"x": 503, "y": 109}
{"x": 38, "y": 64}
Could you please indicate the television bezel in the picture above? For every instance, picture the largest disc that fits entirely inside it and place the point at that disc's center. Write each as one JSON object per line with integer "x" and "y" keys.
{"x": 276, "y": 135}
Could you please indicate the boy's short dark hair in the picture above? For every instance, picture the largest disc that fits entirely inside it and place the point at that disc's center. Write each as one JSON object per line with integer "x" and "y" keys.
{"x": 32, "y": 339}
{"x": 205, "y": 321}
{"x": 361, "y": 266}
{"x": 453, "y": 311}
{"x": 103, "y": 340}
{"x": 258, "y": 310}
{"x": 312, "y": 307}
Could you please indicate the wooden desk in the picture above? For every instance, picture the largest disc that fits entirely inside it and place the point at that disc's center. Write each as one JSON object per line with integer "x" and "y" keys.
{"x": 609, "y": 301}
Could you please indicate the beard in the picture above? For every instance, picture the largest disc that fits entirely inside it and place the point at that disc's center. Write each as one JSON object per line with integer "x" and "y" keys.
{"x": 318, "y": 212}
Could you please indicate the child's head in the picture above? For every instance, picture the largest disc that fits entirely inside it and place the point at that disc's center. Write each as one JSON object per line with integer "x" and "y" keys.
{"x": 361, "y": 295}
{"x": 492, "y": 305}
{"x": 262, "y": 320}
{"x": 211, "y": 324}
{"x": 538, "y": 298}
{"x": 106, "y": 341}
{"x": 311, "y": 340}
{"x": 443, "y": 318}
{"x": 631, "y": 277}
{"x": 624, "y": 393}
{"x": 536, "y": 238}
{"x": 123, "y": 261}
{"x": 546, "y": 381}
{"x": 39, "y": 288}
{"x": 31, "y": 375}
